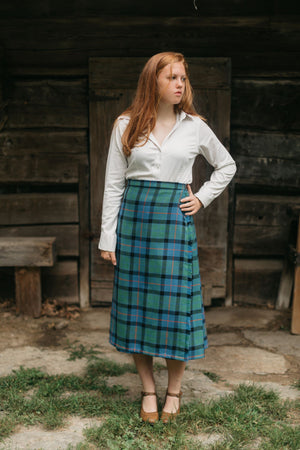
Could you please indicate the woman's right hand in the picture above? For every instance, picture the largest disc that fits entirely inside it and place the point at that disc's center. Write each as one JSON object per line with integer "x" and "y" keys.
{"x": 109, "y": 256}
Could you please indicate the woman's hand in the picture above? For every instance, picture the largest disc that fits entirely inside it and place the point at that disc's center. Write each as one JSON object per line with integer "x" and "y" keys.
{"x": 109, "y": 256}
{"x": 191, "y": 204}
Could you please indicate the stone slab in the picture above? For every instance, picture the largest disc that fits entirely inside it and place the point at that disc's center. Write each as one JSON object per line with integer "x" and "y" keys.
{"x": 240, "y": 317}
{"x": 50, "y": 361}
{"x": 36, "y": 438}
{"x": 229, "y": 338}
{"x": 279, "y": 341}
{"x": 240, "y": 359}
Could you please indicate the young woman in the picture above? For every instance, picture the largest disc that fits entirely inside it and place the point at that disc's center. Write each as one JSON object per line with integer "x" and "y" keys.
{"x": 148, "y": 231}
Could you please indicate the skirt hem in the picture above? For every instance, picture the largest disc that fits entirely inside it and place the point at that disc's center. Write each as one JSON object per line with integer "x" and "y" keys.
{"x": 159, "y": 355}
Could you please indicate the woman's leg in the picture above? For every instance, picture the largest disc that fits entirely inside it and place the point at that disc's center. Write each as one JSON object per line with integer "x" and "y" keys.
{"x": 175, "y": 374}
{"x": 144, "y": 365}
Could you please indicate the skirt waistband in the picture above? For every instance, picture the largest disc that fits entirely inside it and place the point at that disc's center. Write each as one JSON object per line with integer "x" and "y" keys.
{"x": 155, "y": 184}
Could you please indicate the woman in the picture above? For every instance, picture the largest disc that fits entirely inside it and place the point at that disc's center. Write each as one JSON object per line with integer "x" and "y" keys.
{"x": 148, "y": 231}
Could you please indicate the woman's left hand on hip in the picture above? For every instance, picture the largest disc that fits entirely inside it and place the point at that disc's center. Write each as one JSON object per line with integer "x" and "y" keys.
{"x": 191, "y": 204}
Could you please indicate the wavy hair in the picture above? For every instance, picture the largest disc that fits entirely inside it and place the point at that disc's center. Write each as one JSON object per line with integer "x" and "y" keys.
{"x": 143, "y": 110}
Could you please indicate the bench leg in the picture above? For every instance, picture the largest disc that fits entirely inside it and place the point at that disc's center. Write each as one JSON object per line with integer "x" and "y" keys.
{"x": 28, "y": 291}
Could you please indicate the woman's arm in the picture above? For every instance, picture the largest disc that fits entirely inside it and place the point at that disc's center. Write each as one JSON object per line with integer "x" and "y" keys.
{"x": 113, "y": 190}
{"x": 224, "y": 166}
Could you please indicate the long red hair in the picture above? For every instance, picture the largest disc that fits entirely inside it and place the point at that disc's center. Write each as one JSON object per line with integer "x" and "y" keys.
{"x": 143, "y": 109}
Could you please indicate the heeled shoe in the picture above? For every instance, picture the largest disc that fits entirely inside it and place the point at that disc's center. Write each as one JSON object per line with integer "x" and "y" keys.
{"x": 166, "y": 416}
{"x": 152, "y": 416}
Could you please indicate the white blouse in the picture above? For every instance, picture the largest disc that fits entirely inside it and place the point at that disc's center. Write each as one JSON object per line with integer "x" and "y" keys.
{"x": 171, "y": 161}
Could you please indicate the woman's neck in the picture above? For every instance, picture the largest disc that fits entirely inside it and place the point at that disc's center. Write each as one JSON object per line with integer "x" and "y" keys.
{"x": 165, "y": 112}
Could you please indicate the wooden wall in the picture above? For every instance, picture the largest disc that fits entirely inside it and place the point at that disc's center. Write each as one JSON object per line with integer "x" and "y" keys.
{"x": 44, "y": 52}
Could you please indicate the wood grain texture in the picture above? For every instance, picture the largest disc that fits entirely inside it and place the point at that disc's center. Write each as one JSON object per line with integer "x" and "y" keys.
{"x": 78, "y": 8}
{"x": 295, "y": 326}
{"x": 206, "y": 73}
{"x": 24, "y": 142}
{"x": 60, "y": 282}
{"x": 38, "y": 208}
{"x": 264, "y": 210}
{"x": 28, "y": 291}
{"x": 264, "y": 171}
{"x": 67, "y": 236}
{"x": 84, "y": 234}
{"x": 47, "y": 103}
{"x": 86, "y": 33}
{"x": 265, "y": 104}
{"x": 27, "y": 251}
{"x": 266, "y": 144}
{"x": 256, "y": 281}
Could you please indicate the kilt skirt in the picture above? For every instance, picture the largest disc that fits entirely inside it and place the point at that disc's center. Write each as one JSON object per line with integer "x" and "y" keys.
{"x": 157, "y": 306}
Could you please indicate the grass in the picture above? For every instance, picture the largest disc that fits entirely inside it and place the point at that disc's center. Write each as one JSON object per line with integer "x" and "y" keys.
{"x": 297, "y": 384}
{"x": 250, "y": 414}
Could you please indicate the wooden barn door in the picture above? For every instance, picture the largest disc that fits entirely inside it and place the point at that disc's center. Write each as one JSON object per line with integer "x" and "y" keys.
{"x": 112, "y": 82}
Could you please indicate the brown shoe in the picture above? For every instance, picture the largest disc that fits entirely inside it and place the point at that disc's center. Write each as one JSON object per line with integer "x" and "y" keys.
{"x": 150, "y": 417}
{"x": 166, "y": 416}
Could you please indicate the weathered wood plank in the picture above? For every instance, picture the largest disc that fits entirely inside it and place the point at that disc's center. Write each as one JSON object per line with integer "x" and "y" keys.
{"x": 84, "y": 234}
{"x": 27, "y": 251}
{"x": 295, "y": 327}
{"x": 28, "y": 291}
{"x": 67, "y": 236}
{"x": 40, "y": 169}
{"x": 72, "y": 62}
{"x": 266, "y": 145}
{"x": 264, "y": 210}
{"x": 87, "y": 33}
{"x": 50, "y": 102}
{"x": 278, "y": 64}
{"x": 256, "y": 281}
{"x": 138, "y": 8}
{"x": 36, "y": 208}
{"x": 20, "y": 143}
{"x": 263, "y": 171}
{"x": 212, "y": 73}
{"x": 252, "y": 240}
{"x": 61, "y": 282}
{"x": 265, "y": 105}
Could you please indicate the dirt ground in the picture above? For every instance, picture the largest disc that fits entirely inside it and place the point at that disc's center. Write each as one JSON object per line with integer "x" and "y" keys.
{"x": 245, "y": 345}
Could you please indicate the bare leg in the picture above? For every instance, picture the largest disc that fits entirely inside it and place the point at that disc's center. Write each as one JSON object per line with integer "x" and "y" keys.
{"x": 144, "y": 365}
{"x": 175, "y": 374}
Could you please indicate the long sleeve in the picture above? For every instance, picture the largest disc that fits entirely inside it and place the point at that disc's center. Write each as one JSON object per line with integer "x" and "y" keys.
{"x": 114, "y": 188}
{"x": 218, "y": 156}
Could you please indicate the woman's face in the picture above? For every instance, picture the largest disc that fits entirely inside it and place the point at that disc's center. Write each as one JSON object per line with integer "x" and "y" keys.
{"x": 171, "y": 83}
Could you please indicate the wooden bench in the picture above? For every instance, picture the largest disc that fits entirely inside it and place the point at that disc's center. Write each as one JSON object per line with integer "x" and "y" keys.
{"x": 27, "y": 255}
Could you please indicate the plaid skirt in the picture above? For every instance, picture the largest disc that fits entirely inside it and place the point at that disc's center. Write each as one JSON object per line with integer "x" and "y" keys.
{"x": 157, "y": 306}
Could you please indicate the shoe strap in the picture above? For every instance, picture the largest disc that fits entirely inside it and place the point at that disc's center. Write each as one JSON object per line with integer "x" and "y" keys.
{"x": 145, "y": 394}
{"x": 171, "y": 394}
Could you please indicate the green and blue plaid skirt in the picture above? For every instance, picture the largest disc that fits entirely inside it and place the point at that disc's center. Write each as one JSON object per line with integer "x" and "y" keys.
{"x": 157, "y": 306}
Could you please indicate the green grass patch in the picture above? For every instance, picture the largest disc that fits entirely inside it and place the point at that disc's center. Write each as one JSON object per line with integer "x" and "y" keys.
{"x": 81, "y": 351}
{"x": 250, "y": 414}
{"x": 212, "y": 376}
{"x": 297, "y": 384}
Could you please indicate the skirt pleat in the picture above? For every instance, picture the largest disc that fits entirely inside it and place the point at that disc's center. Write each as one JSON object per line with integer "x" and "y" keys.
{"x": 157, "y": 306}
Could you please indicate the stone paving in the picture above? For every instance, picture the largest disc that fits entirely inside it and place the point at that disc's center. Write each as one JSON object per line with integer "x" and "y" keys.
{"x": 246, "y": 345}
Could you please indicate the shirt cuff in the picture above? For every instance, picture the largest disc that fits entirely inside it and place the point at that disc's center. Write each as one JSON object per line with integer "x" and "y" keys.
{"x": 107, "y": 242}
